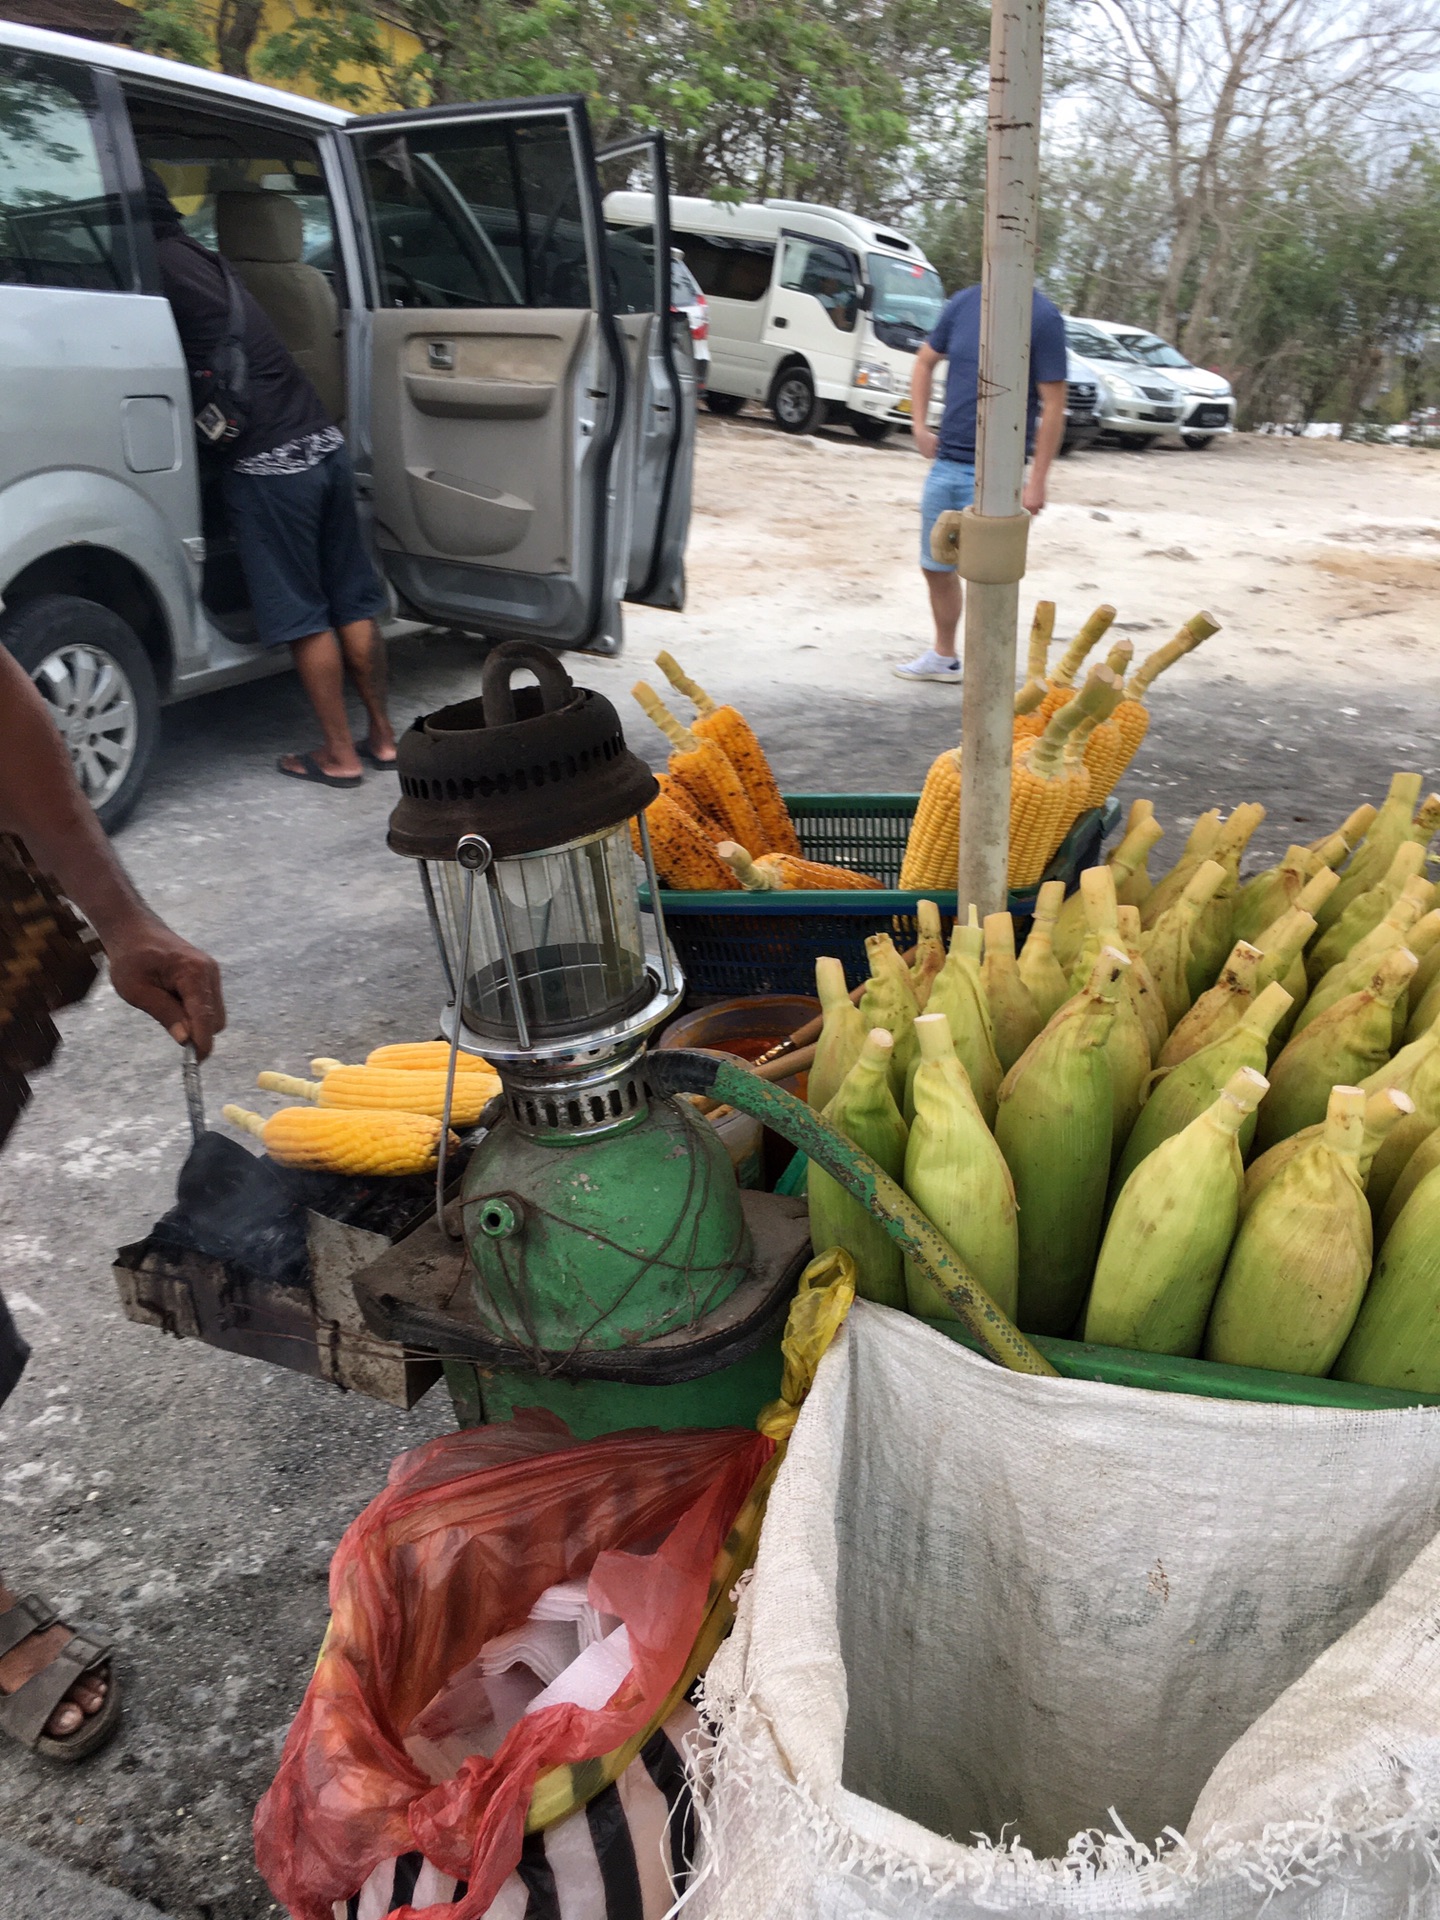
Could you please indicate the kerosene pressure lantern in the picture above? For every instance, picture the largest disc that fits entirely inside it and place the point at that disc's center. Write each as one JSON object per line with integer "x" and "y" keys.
{"x": 605, "y": 1228}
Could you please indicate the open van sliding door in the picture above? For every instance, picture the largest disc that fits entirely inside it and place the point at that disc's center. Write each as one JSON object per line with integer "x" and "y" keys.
{"x": 498, "y": 373}
{"x": 660, "y": 423}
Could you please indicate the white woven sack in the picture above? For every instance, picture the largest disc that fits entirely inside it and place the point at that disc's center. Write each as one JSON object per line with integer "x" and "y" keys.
{"x": 1137, "y": 1652}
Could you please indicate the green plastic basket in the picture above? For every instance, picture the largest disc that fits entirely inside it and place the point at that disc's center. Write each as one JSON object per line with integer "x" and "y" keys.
{"x": 742, "y": 943}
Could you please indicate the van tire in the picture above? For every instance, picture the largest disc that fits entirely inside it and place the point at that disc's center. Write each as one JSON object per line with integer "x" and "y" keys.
{"x": 56, "y": 624}
{"x": 793, "y": 401}
{"x": 1197, "y": 442}
{"x": 870, "y": 430}
{"x": 724, "y": 403}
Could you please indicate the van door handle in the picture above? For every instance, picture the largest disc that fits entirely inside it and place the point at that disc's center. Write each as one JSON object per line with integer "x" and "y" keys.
{"x": 780, "y": 321}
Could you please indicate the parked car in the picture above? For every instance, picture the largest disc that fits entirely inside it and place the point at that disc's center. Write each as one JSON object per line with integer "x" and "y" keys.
{"x": 814, "y": 312}
{"x": 1136, "y": 405}
{"x": 446, "y": 279}
{"x": 1082, "y": 406}
{"x": 1209, "y": 399}
{"x": 687, "y": 299}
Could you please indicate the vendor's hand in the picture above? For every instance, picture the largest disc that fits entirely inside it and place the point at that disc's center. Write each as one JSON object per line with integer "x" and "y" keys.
{"x": 164, "y": 976}
{"x": 1032, "y": 496}
{"x": 927, "y": 441}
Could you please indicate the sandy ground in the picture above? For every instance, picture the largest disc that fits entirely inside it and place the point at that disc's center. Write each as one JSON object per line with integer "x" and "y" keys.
{"x": 186, "y": 1502}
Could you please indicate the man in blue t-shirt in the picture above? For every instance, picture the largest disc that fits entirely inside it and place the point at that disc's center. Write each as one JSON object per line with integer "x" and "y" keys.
{"x": 950, "y": 482}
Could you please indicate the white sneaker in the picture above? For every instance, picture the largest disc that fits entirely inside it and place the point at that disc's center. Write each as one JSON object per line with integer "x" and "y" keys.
{"x": 930, "y": 666}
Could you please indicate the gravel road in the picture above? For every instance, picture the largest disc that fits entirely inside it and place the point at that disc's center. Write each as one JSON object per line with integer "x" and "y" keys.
{"x": 186, "y": 1502}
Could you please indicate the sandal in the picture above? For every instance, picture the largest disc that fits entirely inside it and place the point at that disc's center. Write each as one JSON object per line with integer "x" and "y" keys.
{"x": 311, "y": 769}
{"x": 23, "y": 1714}
{"x": 368, "y": 754}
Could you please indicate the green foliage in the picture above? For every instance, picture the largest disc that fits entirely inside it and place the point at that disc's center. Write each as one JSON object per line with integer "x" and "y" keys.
{"x": 176, "y": 30}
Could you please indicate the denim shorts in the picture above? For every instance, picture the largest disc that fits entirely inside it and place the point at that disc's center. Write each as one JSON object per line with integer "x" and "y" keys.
{"x": 949, "y": 487}
{"x": 306, "y": 563}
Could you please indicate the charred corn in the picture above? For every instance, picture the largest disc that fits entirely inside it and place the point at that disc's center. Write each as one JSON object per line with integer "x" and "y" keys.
{"x": 735, "y": 737}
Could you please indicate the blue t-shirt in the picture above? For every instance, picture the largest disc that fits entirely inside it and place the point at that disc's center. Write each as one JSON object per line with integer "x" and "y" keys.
{"x": 957, "y": 332}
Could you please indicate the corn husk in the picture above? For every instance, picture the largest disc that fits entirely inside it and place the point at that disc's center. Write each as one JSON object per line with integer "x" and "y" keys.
{"x": 959, "y": 994}
{"x": 1265, "y": 896}
{"x": 1054, "y": 1126}
{"x": 1371, "y": 858}
{"x": 1128, "y": 1046}
{"x": 1170, "y": 1231}
{"x": 1354, "y": 971}
{"x": 1422, "y": 1161}
{"x": 842, "y": 1034}
{"x": 1169, "y": 887}
{"x": 1395, "y": 1341}
{"x": 889, "y": 1001}
{"x": 1345, "y": 1045}
{"x": 1184, "y": 1092}
{"x": 1213, "y": 934}
{"x": 1130, "y": 861}
{"x": 1365, "y": 912}
{"x": 1168, "y": 952}
{"x": 1416, "y": 1071}
{"x": 1013, "y": 1013}
{"x": 1301, "y": 1259}
{"x": 1139, "y": 982}
{"x": 864, "y": 1110}
{"x": 929, "y": 956}
{"x": 1383, "y": 1113}
{"x": 1041, "y": 972}
{"x": 1217, "y": 1009}
{"x": 1424, "y": 1004}
{"x": 1352, "y": 830}
{"x": 956, "y": 1174}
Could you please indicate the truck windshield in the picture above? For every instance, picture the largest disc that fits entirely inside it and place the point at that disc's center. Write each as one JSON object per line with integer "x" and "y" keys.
{"x": 907, "y": 299}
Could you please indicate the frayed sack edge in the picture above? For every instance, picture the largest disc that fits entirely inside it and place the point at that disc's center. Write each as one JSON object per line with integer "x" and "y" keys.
{"x": 734, "y": 1768}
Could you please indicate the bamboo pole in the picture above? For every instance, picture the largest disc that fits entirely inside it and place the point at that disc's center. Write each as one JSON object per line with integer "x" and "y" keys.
{"x": 1012, "y": 171}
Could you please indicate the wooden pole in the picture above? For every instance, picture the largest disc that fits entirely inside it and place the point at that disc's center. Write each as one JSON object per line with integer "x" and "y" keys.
{"x": 1012, "y": 180}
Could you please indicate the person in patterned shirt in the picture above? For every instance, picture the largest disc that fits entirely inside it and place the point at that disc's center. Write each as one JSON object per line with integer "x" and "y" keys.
{"x": 289, "y": 493}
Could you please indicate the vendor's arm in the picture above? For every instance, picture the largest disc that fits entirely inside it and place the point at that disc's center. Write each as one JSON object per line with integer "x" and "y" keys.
{"x": 922, "y": 379}
{"x": 40, "y": 800}
{"x": 1048, "y": 436}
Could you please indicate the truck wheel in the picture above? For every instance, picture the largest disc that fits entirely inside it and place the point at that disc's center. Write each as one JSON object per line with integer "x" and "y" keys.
{"x": 725, "y": 403}
{"x": 793, "y": 402}
{"x": 1197, "y": 442}
{"x": 96, "y": 679}
{"x": 869, "y": 429}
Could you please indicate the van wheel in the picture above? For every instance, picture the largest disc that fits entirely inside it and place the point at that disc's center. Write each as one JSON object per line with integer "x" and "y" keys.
{"x": 1197, "y": 442}
{"x": 1139, "y": 442}
{"x": 793, "y": 402}
{"x": 869, "y": 429}
{"x": 724, "y": 403}
{"x": 96, "y": 679}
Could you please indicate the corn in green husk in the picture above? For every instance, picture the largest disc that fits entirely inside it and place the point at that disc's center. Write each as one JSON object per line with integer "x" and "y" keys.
{"x": 1213, "y": 934}
{"x": 842, "y": 1034}
{"x": 1168, "y": 952}
{"x": 1383, "y": 1113}
{"x": 1423, "y": 1160}
{"x": 864, "y": 1110}
{"x": 1169, "y": 887}
{"x": 1218, "y": 1008}
{"x": 889, "y": 1001}
{"x": 1396, "y": 1338}
{"x": 959, "y": 993}
{"x": 1415, "y": 1069}
{"x": 1364, "y": 913}
{"x": 1042, "y": 973}
{"x": 1013, "y": 1013}
{"x": 1387, "y": 830}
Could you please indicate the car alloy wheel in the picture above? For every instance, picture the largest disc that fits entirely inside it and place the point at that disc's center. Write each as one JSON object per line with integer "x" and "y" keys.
{"x": 94, "y": 709}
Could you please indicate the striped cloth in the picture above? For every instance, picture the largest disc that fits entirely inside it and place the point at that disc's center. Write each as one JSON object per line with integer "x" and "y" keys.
{"x": 624, "y": 1856}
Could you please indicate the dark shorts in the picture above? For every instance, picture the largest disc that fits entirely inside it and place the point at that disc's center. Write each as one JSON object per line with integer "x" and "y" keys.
{"x": 13, "y": 1353}
{"x": 305, "y": 560}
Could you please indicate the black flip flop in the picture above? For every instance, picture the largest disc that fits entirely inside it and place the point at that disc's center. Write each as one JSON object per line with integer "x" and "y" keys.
{"x": 316, "y": 774}
{"x": 368, "y": 754}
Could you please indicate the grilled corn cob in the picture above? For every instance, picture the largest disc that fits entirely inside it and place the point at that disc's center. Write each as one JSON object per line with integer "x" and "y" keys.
{"x": 1297, "y": 1271}
{"x": 701, "y": 768}
{"x": 330, "y": 1141}
{"x": 1054, "y": 1126}
{"x": 957, "y": 1176}
{"x": 863, "y": 1109}
{"x": 842, "y": 1033}
{"x": 1169, "y": 1234}
{"x": 735, "y": 737}
{"x": 397, "y": 1090}
{"x": 785, "y": 872}
{"x": 685, "y": 856}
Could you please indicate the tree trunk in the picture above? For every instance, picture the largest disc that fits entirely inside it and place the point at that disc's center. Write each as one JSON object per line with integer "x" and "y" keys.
{"x": 237, "y": 26}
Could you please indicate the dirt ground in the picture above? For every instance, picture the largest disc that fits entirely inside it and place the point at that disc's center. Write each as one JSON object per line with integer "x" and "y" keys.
{"x": 187, "y": 1503}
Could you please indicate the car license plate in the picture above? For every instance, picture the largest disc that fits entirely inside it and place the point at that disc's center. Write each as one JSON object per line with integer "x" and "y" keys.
{"x": 902, "y": 406}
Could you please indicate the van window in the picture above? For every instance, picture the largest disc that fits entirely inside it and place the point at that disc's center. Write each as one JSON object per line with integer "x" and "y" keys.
{"x": 827, "y": 273}
{"x": 477, "y": 215}
{"x": 728, "y": 269}
{"x": 61, "y": 218}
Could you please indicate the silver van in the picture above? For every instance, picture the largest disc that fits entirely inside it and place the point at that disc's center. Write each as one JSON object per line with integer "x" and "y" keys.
{"x": 517, "y": 396}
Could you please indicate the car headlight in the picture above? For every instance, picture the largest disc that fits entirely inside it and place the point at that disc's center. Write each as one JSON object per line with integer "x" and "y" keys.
{"x": 875, "y": 375}
{"x": 1126, "y": 389}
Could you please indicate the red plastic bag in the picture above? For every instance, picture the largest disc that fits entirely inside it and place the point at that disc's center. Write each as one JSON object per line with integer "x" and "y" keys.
{"x": 468, "y": 1533}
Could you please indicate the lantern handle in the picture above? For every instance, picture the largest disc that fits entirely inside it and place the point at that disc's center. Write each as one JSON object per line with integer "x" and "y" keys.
{"x": 497, "y": 696}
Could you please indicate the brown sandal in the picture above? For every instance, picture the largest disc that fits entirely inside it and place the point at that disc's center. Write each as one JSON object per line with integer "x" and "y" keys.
{"x": 24, "y": 1713}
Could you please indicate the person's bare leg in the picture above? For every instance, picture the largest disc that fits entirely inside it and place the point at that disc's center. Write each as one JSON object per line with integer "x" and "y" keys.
{"x": 945, "y": 603}
{"x": 32, "y": 1656}
{"x": 364, "y": 652}
{"x": 321, "y": 668}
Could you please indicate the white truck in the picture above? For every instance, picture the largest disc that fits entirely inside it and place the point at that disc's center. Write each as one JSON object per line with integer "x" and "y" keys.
{"x": 814, "y": 312}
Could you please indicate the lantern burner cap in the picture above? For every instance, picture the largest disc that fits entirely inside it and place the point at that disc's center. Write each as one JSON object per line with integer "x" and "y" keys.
{"x": 526, "y": 767}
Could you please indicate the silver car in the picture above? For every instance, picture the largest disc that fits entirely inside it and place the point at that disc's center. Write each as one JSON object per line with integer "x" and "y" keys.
{"x": 1209, "y": 398}
{"x": 506, "y": 371}
{"x": 1137, "y": 405}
